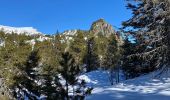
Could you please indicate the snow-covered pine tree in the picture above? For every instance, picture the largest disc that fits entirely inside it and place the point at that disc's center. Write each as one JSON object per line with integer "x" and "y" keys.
{"x": 150, "y": 26}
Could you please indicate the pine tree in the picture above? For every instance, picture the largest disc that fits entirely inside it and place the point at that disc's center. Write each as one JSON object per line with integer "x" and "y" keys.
{"x": 150, "y": 20}
{"x": 128, "y": 68}
{"x": 78, "y": 46}
{"x": 101, "y": 43}
{"x": 69, "y": 71}
{"x": 135, "y": 66}
{"x": 91, "y": 58}
{"x": 51, "y": 86}
{"x": 27, "y": 82}
{"x": 112, "y": 58}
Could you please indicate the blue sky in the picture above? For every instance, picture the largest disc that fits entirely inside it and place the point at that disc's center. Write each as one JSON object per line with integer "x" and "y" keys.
{"x": 48, "y": 16}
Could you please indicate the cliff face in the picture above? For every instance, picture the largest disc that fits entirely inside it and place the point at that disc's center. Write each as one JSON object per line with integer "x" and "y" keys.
{"x": 102, "y": 27}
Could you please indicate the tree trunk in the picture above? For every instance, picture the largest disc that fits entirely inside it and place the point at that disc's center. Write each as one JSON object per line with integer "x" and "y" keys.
{"x": 73, "y": 91}
{"x": 118, "y": 70}
{"x": 67, "y": 90}
{"x": 111, "y": 76}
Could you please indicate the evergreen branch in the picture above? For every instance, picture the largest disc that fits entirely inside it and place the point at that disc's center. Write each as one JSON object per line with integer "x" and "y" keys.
{"x": 147, "y": 53}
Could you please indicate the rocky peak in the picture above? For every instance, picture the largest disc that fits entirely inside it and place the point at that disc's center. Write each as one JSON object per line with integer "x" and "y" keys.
{"x": 102, "y": 27}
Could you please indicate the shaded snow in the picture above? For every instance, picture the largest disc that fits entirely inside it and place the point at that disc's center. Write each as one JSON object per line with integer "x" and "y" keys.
{"x": 142, "y": 88}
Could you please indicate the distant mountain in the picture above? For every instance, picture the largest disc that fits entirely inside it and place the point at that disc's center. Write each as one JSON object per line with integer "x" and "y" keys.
{"x": 20, "y": 30}
{"x": 32, "y": 33}
{"x": 98, "y": 27}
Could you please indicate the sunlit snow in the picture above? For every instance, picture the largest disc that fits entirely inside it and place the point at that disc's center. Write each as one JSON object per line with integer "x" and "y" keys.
{"x": 147, "y": 87}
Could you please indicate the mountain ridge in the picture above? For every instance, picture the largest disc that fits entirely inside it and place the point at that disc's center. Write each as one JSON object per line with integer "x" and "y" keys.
{"x": 20, "y": 30}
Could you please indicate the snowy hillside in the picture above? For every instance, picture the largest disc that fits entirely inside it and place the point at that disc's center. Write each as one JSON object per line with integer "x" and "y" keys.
{"x": 141, "y": 88}
{"x": 19, "y": 30}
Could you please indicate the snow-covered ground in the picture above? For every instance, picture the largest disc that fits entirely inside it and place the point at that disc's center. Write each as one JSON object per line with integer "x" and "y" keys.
{"x": 142, "y": 88}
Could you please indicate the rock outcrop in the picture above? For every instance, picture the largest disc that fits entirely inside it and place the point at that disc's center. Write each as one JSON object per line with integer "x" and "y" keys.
{"x": 102, "y": 27}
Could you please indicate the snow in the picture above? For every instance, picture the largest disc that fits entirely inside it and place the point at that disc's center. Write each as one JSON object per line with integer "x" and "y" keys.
{"x": 85, "y": 38}
{"x": 40, "y": 39}
{"x": 2, "y": 42}
{"x": 96, "y": 78}
{"x": 146, "y": 87}
{"x": 43, "y": 38}
{"x": 70, "y": 32}
{"x": 19, "y": 30}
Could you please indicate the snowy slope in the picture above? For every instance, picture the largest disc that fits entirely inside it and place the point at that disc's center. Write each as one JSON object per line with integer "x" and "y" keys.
{"x": 142, "y": 88}
{"x": 19, "y": 30}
